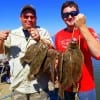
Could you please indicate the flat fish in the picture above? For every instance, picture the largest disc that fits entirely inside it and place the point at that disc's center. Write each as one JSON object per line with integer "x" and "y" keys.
{"x": 34, "y": 56}
{"x": 49, "y": 64}
{"x": 69, "y": 73}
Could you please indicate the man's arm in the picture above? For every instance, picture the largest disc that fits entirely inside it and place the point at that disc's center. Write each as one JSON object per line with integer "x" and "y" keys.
{"x": 93, "y": 44}
{"x": 3, "y": 37}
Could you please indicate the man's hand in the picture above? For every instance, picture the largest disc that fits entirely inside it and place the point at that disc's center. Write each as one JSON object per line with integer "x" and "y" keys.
{"x": 4, "y": 34}
{"x": 80, "y": 20}
{"x": 34, "y": 34}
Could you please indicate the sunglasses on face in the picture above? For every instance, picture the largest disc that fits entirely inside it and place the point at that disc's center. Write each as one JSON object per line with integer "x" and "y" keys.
{"x": 26, "y": 17}
{"x": 73, "y": 13}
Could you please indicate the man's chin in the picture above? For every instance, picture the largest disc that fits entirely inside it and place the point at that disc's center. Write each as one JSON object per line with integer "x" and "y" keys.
{"x": 70, "y": 25}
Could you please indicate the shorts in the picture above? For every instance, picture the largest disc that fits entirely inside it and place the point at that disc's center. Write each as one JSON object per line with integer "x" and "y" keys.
{"x": 34, "y": 96}
{"x": 87, "y": 95}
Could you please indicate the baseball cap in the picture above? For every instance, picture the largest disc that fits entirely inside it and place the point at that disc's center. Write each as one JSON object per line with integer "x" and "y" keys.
{"x": 28, "y": 7}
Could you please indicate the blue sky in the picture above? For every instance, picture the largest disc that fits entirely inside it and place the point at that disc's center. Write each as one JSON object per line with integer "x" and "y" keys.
{"x": 48, "y": 13}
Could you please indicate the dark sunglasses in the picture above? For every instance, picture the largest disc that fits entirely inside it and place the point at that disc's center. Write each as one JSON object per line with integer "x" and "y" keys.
{"x": 73, "y": 13}
{"x": 26, "y": 17}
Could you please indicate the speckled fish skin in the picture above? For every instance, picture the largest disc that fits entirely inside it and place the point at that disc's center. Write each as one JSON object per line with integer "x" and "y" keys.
{"x": 59, "y": 66}
{"x": 30, "y": 53}
{"x": 34, "y": 56}
{"x": 49, "y": 63}
{"x": 71, "y": 67}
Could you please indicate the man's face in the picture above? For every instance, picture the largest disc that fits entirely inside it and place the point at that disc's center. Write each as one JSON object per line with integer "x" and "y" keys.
{"x": 69, "y": 14}
{"x": 28, "y": 19}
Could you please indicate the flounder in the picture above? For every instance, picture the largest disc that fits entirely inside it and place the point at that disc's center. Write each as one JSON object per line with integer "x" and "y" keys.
{"x": 70, "y": 68}
{"x": 34, "y": 56}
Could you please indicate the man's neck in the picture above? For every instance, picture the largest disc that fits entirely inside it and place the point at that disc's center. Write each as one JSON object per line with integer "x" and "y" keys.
{"x": 70, "y": 28}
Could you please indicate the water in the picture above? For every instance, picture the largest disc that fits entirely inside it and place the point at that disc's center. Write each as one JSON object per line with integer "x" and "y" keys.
{"x": 96, "y": 64}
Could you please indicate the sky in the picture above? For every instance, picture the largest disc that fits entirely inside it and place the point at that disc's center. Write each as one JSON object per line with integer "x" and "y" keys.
{"x": 48, "y": 13}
